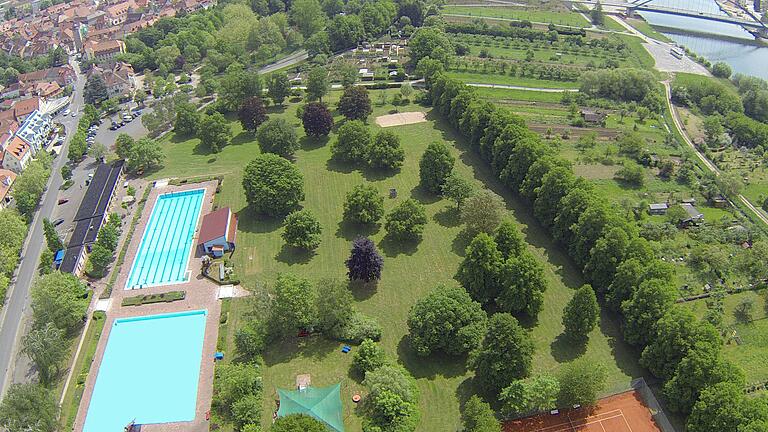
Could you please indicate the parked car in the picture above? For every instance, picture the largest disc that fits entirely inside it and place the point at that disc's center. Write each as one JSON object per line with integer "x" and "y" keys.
{"x": 63, "y": 201}
{"x": 66, "y": 112}
{"x": 58, "y": 222}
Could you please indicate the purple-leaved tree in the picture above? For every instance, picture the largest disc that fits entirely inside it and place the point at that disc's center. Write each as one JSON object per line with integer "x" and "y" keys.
{"x": 365, "y": 262}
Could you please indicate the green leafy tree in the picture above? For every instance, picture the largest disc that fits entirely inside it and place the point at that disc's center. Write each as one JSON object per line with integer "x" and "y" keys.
{"x": 187, "y": 119}
{"x": 363, "y": 204}
{"x": 530, "y": 395}
{"x": 393, "y": 395}
{"x": 596, "y": 14}
{"x": 317, "y": 119}
{"x": 278, "y": 87}
{"x": 98, "y": 260}
{"x": 504, "y": 356}
{"x": 298, "y": 423}
{"x": 51, "y": 236}
{"x": 214, "y": 132}
{"x": 294, "y": 306}
{"x": 59, "y": 298}
{"x": 482, "y": 212}
{"x": 580, "y": 382}
{"x": 302, "y": 230}
{"x": 446, "y": 320}
{"x": 47, "y": 347}
{"x": 480, "y": 271}
{"x": 334, "y": 306}
{"x": 273, "y": 185}
{"x": 252, "y": 113}
{"x": 702, "y": 367}
{"x": 29, "y": 407}
{"x": 675, "y": 334}
{"x": 98, "y": 151}
{"x": 721, "y": 407}
{"x": 77, "y": 147}
{"x": 278, "y": 136}
{"x": 522, "y": 285}
{"x": 95, "y": 90}
{"x": 406, "y": 221}
{"x": 345, "y": 31}
{"x": 237, "y": 85}
{"x": 581, "y": 314}
{"x": 508, "y": 239}
{"x": 721, "y": 70}
{"x": 649, "y": 302}
{"x": 435, "y": 166}
{"x": 355, "y": 104}
{"x": 457, "y": 189}
{"x": 29, "y": 187}
{"x": 477, "y": 416}
{"x": 145, "y": 154}
{"x": 353, "y": 142}
{"x": 308, "y": 16}
{"x": 234, "y": 382}
{"x": 385, "y": 151}
{"x": 123, "y": 145}
{"x": 368, "y": 357}
{"x": 431, "y": 42}
{"x": 318, "y": 84}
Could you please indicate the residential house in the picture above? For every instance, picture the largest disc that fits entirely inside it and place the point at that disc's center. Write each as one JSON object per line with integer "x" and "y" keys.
{"x": 118, "y": 13}
{"x": 103, "y": 51}
{"x": 7, "y": 177}
{"x": 17, "y": 155}
{"x": 694, "y": 215}
{"x": 592, "y": 117}
{"x": 658, "y": 208}
{"x": 25, "y": 107}
{"x": 119, "y": 79}
{"x": 62, "y": 75}
{"x": 218, "y": 232}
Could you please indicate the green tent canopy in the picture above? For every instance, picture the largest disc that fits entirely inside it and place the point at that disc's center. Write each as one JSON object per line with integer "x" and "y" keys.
{"x": 323, "y": 404}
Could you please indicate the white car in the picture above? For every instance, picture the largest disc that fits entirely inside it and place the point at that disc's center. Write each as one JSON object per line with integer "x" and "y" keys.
{"x": 66, "y": 112}
{"x": 74, "y": 113}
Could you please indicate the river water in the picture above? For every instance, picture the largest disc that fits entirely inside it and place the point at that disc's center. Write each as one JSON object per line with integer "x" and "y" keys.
{"x": 715, "y": 41}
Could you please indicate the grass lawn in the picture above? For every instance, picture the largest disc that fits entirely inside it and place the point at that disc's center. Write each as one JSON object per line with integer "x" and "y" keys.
{"x": 611, "y": 24}
{"x": 82, "y": 367}
{"x": 543, "y": 16}
{"x": 750, "y": 353}
{"x": 502, "y": 94}
{"x": 643, "y": 27}
{"x": 479, "y": 78}
{"x": 410, "y": 271}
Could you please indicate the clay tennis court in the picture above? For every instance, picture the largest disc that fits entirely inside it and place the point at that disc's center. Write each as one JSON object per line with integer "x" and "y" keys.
{"x": 399, "y": 119}
{"x": 623, "y": 412}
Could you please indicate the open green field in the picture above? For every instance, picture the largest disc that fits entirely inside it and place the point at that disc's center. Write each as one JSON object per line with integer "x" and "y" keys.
{"x": 540, "y": 16}
{"x": 409, "y": 271}
{"x": 503, "y": 94}
{"x": 480, "y": 78}
{"x": 751, "y": 349}
{"x": 643, "y": 27}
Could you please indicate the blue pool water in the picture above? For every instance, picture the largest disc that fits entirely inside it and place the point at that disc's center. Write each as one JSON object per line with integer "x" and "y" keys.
{"x": 149, "y": 373}
{"x": 167, "y": 240}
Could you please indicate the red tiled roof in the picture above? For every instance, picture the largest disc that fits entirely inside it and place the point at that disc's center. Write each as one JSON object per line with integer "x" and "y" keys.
{"x": 232, "y": 234}
{"x": 214, "y": 225}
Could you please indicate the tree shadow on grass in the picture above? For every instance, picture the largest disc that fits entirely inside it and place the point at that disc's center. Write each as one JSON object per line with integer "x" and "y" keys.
{"x": 625, "y": 355}
{"x": 256, "y": 223}
{"x": 460, "y": 242}
{"x": 393, "y": 247}
{"x": 309, "y": 143}
{"x": 424, "y": 196}
{"x": 243, "y": 137}
{"x": 352, "y": 230}
{"x": 276, "y": 109}
{"x": 465, "y": 390}
{"x": 289, "y": 348}
{"x": 565, "y": 349}
{"x": 202, "y": 150}
{"x": 437, "y": 364}
{"x": 339, "y": 166}
{"x": 448, "y": 217}
{"x": 378, "y": 174}
{"x": 362, "y": 290}
{"x": 291, "y": 255}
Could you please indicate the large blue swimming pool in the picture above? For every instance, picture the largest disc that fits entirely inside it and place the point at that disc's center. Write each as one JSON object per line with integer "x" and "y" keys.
{"x": 167, "y": 240}
{"x": 149, "y": 372}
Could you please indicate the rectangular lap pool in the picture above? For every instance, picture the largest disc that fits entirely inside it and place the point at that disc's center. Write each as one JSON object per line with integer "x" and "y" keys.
{"x": 167, "y": 240}
{"x": 149, "y": 372}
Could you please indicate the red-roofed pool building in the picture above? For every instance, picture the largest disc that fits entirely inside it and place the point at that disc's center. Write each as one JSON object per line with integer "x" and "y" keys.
{"x": 218, "y": 232}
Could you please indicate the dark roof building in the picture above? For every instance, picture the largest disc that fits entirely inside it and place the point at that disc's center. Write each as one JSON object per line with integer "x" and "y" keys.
{"x": 91, "y": 214}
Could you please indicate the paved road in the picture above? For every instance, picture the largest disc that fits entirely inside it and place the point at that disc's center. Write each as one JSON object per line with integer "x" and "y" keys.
{"x": 291, "y": 60}
{"x": 15, "y": 313}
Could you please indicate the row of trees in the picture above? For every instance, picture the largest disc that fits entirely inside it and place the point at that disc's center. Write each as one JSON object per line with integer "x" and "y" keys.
{"x": 142, "y": 155}
{"x": 14, "y": 229}
{"x": 618, "y": 263}
{"x": 59, "y": 305}
{"x": 103, "y": 250}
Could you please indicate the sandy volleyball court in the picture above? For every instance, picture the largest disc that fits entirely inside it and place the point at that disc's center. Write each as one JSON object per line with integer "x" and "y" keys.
{"x": 399, "y": 119}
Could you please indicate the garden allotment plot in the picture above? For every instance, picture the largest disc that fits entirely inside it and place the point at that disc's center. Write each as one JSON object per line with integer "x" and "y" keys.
{"x": 167, "y": 240}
